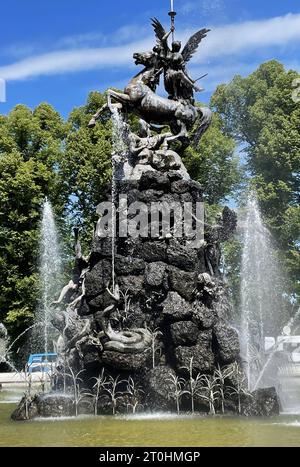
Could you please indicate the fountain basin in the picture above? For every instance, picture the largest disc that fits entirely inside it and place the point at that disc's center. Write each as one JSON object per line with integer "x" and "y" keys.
{"x": 44, "y": 405}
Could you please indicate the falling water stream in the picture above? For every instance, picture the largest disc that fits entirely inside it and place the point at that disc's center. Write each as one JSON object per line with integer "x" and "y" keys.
{"x": 118, "y": 154}
{"x": 261, "y": 291}
{"x": 49, "y": 273}
{"x": 264, "y": 315}
{"x": 49, "y": 269}
{"x": 3, "y": 344}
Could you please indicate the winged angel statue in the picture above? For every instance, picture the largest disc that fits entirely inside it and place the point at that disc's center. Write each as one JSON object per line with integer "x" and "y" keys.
{"x": 178, "y": 111}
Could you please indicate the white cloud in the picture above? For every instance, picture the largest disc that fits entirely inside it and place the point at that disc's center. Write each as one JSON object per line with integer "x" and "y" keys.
{"x": 19, "y": 50}
{"x": 97, "y": 38}
{"x": 204, "y": 7}
{"x": 251, "y": 35}
{"x": 65, "y": 61}
{"x": 218, "y": 74}
{"x": 81, "y": 40}
{"x": 227, "y": 41}
{"x": 189, "y": 7}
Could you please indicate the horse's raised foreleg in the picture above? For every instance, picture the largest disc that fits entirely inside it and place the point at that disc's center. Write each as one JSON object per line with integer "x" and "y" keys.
{"x": 95, "y": 117}
{"x": 121, "y": 98}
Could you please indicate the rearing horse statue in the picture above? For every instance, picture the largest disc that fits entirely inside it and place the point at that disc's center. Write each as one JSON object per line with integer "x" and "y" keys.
{"x": 139, "y": 96}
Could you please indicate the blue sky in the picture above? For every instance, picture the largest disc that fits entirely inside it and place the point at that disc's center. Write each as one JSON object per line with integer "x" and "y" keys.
{"x": 59, "y": 50}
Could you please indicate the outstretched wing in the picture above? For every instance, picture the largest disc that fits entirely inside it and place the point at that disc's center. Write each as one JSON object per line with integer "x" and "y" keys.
{"x": 193, "y": 43}
{"x": 158, "y": 29}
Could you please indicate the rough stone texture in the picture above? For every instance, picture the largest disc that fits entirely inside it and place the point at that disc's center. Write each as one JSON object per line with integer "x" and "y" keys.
{"x": 228, "y": 224}
{"x": 159, "y": 387}
{"x": 133, "y": 283}
{"x": 124, "y": 405}
{"x": 54, "y": 405}
{"x": 174, "y": 175}
{"x": 100, "y": 248}
{"x": 149, "y": 196}
{"x": 183, "y": 282}
{"x": 86, "y": 406}
{"x": 176, "y": 308}
{"x": 163, "y": 161}
{"x": 44, "y": 405}
{"x": 155, "y": 274}
{"x": 181, "y": 257}
{"x": 207, "y": 284}
{"x": 170, "y": 200}
{"x": 184, "y": 333}
{"x": 152, "y": 251}
{"x": 97, "y": 279}
{"x": 202, "y": 353}
{"x": 222, "y": 231}
{"x": 203, "y": 316}
{"x": 83, "y": 309}
{"x": 263, "y": 403}
{"x": 91, "y": 354}
{"x": 100, "y": 302}
{"x": 136, "y": 172}
{"x": 169, "y": 160}
{"x": 126, "y": 362}
{"x": 21, "y": 413}
{"x": 129, "y": 266}
{"x": 227, "y": 341}
{"x": 184, "y": 186}
{"x": 154, "y": 180}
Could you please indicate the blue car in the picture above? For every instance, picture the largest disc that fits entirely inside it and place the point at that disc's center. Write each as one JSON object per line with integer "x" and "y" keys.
{"x": 42, "y": 362}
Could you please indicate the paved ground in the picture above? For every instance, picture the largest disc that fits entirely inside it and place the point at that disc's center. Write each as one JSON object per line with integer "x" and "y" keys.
{"x": 20, "y": 378}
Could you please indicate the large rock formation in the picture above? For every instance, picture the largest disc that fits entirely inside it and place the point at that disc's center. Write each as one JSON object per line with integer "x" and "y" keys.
{"x": 163, "y": 283}
{"x": 261, "y": 403}
{"x": 166, "y": 309}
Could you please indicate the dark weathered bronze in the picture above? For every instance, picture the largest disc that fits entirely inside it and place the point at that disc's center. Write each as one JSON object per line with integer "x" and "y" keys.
{"x": 139, "y": 97}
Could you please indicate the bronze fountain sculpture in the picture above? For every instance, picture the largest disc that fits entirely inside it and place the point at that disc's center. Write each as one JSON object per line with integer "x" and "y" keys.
{"x": 178, "y": 111}
{"x": 149, "y": 308}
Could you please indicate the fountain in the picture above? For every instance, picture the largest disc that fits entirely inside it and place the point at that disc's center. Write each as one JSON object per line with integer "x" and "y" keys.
{"x": 3, "y": 343}
{"x": 49, "y": 273}
{"x": 268, "y": 361}
{"x": 147, "y": 314}
{"x": 50, "y": 266}
{"x": 261, "y": 291}
{"x": 6, "y": 361}
{"x": 119, "y": 152}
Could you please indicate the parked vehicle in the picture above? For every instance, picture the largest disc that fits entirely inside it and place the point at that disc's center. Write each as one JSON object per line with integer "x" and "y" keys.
{"x": 41, "y": 362}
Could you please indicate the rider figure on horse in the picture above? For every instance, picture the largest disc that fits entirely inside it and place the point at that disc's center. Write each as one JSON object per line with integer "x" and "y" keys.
{"x": 178, "y": 84}
{"x": 179, "y": 111}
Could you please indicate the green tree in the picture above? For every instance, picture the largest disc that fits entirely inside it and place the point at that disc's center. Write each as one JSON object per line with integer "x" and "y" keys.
{"x": 214, "y": 163}
{"x": 259, "y": 112}
{"x": 86, "y": 162}
{"x": 30, "y": 144}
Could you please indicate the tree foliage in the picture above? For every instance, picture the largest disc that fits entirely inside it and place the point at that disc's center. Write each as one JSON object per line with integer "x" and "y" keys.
{"x": 259, "y": 112}
{"x": 30, "y": 146}
{"x": 85, "y": 165}
{"x": 214, "y": 163}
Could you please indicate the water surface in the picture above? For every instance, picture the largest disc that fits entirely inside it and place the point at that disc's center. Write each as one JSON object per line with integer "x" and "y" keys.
{"x": 146, "y": 430}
